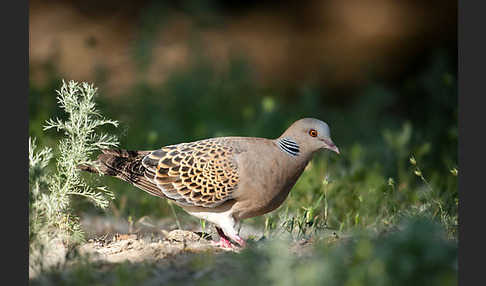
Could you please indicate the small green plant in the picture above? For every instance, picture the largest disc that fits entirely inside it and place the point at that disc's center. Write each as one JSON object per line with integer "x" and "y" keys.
{"x": 433, "y": 204}
{"x": 51, "y": 192}
{"x": 202, "y": 222}
{"x": 308, "y": 220}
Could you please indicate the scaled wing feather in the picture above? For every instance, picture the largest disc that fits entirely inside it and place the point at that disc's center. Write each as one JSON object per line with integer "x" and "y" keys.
{"x": 202, "y": 173}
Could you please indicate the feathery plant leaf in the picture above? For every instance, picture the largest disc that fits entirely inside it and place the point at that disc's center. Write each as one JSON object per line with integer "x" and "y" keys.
{"x": 50, "y": 193}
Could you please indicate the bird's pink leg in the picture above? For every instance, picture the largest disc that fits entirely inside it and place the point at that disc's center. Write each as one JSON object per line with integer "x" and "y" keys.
{"x": 239, "y": 240}
{"x": 234, "y": 237}
{"x": 225, "y": 241}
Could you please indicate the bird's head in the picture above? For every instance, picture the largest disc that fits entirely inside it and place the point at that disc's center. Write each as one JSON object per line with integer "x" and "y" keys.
{"x": 311, "y": 135}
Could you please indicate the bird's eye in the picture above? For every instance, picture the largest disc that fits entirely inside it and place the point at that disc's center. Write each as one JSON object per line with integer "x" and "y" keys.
{"x": 313, "y": 133}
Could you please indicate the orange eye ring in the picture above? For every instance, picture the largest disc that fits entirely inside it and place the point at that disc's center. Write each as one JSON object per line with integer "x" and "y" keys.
{"x": 313, "y": 133}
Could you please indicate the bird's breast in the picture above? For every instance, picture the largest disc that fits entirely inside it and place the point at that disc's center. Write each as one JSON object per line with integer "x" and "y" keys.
{"x": 265, "y": 181}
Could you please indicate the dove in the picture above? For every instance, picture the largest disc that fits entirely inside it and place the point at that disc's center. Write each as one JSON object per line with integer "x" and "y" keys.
{"x": 223, "y": 180}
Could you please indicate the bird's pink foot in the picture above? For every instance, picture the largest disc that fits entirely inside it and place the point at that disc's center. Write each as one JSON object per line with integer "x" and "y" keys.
{"x": 224, "y": 243}
{"x": 240, "y": 241}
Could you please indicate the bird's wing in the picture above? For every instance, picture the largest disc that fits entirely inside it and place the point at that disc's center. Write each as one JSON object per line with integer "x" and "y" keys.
{"x": 202, "y": 173}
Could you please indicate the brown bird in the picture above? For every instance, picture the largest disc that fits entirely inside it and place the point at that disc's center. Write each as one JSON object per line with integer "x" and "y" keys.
{"x": 222, "y": 180}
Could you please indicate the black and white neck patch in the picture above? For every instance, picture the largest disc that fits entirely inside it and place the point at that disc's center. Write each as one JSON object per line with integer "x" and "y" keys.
{"x": 289, "y": 146}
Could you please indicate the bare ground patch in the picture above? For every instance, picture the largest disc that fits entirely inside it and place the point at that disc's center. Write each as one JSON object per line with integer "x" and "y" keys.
{"x": 153, "y": 251}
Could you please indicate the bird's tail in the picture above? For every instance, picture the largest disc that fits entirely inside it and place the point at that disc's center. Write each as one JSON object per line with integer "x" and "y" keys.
{"x": 125, "y": 165}
{"x": 116, "y": 163}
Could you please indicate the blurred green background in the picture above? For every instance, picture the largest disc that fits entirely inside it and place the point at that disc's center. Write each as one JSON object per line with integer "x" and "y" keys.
{"x": 381, "y": 73}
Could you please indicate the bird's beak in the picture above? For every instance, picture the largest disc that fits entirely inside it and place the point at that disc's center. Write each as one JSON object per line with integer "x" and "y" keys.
{"x": 328, "y": 144}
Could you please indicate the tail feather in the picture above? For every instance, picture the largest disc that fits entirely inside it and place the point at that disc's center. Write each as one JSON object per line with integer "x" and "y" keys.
{"x": 125, "y": 165}
{"x": 125, "y": 153}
